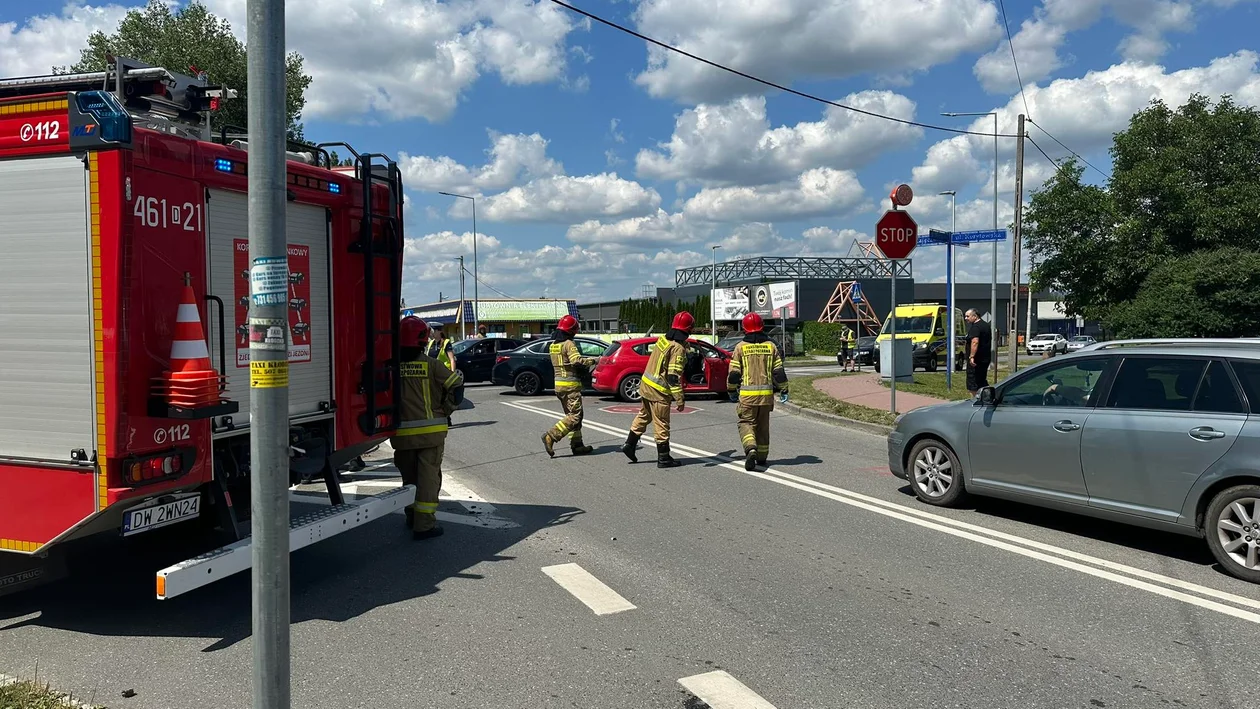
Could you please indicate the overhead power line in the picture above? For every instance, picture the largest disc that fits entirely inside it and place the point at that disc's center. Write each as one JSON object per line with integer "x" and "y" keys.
{"x": 487, "y": 285}
{"x": 1011, "y": 42}
{"x": 1073, "y": 152}
{"x": 766, "y": 82}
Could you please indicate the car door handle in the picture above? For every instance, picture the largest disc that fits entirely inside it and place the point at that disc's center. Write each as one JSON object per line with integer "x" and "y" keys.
{"x": 1066, "y": 426}
{"x": 1206, "y": 433}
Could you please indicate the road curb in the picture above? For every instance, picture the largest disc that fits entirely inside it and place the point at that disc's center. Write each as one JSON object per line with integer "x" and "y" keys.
{"x": 875, "y": 429}
{"x": 6, "y": 680}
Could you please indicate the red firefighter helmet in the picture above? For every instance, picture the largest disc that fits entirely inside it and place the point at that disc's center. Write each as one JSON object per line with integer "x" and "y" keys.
{"x": 683, "y": 321}
{"x": 568, "y": 324}
{"x": 412, "y": 332}
{"x": 753, "y": 323}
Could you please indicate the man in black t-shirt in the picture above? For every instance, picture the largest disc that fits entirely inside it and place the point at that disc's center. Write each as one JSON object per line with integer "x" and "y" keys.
{"x": 979, "y": 351}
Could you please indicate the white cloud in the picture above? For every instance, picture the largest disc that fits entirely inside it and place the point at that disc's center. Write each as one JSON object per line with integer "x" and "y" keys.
{"x": 565, "y": 199}
{"x": 818, "y": 192}
{"x": 793, "y": 40}
{"x": 401, "y": 59}
{"x": 1040, "y": 37}
{"x": 733, "y": 143}
{"x": 1084, "y": 113}
{"x": 639, "y": 233}
{"x": 43, "y": 41}
{"x": 511, "y": 158}
{"x": 825, "y": 241}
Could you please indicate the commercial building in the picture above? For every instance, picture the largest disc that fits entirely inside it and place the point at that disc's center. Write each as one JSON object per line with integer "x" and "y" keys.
{"x": 502, "y": 317}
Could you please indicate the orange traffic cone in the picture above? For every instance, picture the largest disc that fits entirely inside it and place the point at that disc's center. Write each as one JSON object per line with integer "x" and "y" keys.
{"x": 192, "y": 381}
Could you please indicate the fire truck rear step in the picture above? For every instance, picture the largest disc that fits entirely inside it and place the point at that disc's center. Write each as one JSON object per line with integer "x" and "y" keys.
{"x": 304, "y": 531}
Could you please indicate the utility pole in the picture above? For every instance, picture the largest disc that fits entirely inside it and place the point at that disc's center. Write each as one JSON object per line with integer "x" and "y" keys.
{"x": 952, "y": 352}
{"x": 269, "y": 360}
{"x": 463, "y": 324}
{"x": 1013, "y": 338}
{"x": 712, "y": 309}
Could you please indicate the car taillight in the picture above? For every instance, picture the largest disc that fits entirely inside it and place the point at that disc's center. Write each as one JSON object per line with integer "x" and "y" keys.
{"x": 501, "y": 359}
{"x": 159, "y": 467}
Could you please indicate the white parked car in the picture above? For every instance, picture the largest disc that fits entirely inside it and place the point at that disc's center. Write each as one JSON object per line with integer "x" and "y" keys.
{"x": 1046, "y": 342}
{"x": 1079, "y": 342}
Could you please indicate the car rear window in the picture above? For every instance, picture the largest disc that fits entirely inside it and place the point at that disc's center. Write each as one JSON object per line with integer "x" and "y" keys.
{"x": 612, "y": 350}
{"x": 1248, "y": 372}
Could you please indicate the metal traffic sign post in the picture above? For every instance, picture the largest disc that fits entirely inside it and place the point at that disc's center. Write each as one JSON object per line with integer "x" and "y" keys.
{"x": 936, "y": 237}
{"x": 896, "y": 235}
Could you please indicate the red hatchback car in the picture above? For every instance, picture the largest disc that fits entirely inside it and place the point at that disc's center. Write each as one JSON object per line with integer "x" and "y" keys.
{"x": 621, "y": 368}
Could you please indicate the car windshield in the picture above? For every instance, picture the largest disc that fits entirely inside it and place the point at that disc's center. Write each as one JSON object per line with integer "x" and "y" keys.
{"x": 1044, "y": 337}
{"x": 916, "y": 324}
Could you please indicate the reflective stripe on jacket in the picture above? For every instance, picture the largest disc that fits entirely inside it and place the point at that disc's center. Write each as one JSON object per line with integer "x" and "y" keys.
{"x": 756, "y": 363}
{"x": 665, "y": 365}
{"x": 428, "y": 397}
{"x": 565, "y": 360}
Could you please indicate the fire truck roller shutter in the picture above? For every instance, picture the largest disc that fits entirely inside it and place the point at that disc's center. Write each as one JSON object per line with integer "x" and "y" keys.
{"x": 47, "y": 369}
{"x": 306, "y": 227}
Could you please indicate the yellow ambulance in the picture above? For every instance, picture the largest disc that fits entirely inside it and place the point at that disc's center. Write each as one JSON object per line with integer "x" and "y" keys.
{"x": 925, "y": 324}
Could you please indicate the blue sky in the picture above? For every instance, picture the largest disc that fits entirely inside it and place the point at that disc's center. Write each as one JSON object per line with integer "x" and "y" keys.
{"x": 599, "y": 167}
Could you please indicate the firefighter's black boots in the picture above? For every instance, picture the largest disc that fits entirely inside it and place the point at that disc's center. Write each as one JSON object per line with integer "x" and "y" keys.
{"x": 632, "y": 442}
{"x": 663, "y": 458}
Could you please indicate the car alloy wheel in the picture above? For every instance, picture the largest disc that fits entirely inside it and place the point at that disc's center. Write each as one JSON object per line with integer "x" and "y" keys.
{"x": 527, "y": 384}
{"x": 629, "y": 388}
{"x": 1233, "y": 531}
{"x": 935, "y": 473}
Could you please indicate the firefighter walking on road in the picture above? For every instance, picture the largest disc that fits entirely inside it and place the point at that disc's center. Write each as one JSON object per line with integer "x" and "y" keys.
{"x": 570, "y": 370}
{"x": 757, "y": 373}
{"x": 662, "y": 384}
{"x": 430, "y": 391}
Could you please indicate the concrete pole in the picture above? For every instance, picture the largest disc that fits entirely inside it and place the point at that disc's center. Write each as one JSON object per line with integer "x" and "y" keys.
{"x": 463, "y": 323}
{"x": 476, "y": 278}
{"x": 1013, "y": 339}
{"x": 269, "y": 362}
{"x": 712, "y": 309}
{"x": 951, "y": 353}
{"x": 993, "y": 283}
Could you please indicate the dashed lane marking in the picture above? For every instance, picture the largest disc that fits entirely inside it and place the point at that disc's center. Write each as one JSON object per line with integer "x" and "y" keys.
{"x": 720, "y": 690}
{"x": 1093, "y": 566}
{"x": 589, "y": 590}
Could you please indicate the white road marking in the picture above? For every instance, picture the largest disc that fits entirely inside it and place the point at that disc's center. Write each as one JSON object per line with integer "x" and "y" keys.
{"x": 589, "y": 590}
{"x": 720, "y": 690}
{"x": 1000, "y": 540}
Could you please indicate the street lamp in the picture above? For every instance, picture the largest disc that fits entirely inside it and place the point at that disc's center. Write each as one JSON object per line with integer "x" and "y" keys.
{"x": 476, "y": 280}
{"x": 993, "y": 294}
{"x": 712, "y": 304}
{"x": 949, "y": 278}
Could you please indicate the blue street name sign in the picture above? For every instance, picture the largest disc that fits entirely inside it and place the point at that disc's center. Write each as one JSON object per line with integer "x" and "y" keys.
{"x": 936, "y": 237}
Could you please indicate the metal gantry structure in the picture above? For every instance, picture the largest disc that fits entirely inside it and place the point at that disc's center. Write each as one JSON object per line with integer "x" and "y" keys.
{"x": 760, "y": 267}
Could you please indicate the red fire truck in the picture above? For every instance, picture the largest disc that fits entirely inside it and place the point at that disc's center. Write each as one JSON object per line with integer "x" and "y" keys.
{"x": 115, "y": 195}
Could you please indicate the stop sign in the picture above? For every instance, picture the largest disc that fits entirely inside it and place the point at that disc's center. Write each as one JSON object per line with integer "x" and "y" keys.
{"x": 896, "y": 234}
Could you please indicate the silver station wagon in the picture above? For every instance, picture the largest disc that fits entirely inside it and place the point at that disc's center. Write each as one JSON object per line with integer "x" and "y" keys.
{"x": 1157, "y": 433}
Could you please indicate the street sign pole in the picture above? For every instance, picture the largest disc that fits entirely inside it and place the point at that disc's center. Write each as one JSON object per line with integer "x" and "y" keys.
{"x": 268, "y": 361}
{"x": 896, "y": 235}
{"x": 892, "y": 342}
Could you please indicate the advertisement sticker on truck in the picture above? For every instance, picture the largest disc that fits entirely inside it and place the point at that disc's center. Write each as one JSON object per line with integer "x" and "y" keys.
{"x": 286, "y": 282}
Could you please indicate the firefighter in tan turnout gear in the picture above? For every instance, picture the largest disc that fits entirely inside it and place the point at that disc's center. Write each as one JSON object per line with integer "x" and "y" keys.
{"x": 757, "y": 373}
{"x": 569, "y": 366}
{"x": 430, "y": 392}
{"x": 662, "y": 384}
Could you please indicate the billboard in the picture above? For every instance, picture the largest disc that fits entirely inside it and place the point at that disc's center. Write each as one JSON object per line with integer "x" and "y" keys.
{"x": 775, "y": 300}
{"x": 730, "y": 303}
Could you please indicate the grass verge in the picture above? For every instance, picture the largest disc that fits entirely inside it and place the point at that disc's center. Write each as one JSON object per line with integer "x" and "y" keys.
{"x": 31, "y": 695}
{"x": 933, "y": 383}
{"x": 803, "y": 394}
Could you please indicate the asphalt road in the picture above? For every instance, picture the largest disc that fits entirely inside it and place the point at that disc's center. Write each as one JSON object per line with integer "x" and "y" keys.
{"x": 591, "y": 582}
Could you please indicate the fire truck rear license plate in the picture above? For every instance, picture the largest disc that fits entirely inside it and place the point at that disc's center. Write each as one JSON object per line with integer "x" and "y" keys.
{"x": 142, "y": 519}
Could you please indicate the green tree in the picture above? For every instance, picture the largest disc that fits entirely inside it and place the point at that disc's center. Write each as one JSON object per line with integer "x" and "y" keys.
{"x": 192, "y": 37}
{"x": 1185, "y": 184}
{"x": 1208, "y": 293}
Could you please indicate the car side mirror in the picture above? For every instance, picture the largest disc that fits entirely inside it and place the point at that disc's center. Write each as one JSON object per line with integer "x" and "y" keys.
{"x": 987, "y": 396}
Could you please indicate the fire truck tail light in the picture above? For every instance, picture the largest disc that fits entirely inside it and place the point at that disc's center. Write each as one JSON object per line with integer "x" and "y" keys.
{"x": 156, "y": 468}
